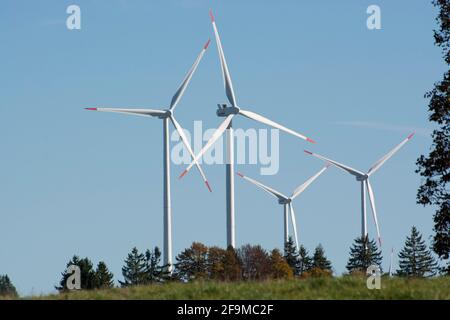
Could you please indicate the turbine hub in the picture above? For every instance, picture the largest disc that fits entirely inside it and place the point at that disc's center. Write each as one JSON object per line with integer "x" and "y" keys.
{"x": 168, "y": 113}
{"x": 224, "y": 111}
{"x": 284, "y": 201}
{"x": 362, "y": 178}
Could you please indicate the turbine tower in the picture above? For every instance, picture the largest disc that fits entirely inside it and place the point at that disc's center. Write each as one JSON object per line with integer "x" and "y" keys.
{"x": 286, "y": 202}
{"x": 166, "y": 115}
{"x": 229, "y": 112}
{"x": 363, "y": 178}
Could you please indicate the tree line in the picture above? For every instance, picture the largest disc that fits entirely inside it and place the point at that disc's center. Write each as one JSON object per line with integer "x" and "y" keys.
{"x": 247, "y": 263}
{"x": 251, "y": 263}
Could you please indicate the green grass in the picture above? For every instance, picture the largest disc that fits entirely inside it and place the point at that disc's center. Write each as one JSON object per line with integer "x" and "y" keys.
{"x": 312, "y": 288}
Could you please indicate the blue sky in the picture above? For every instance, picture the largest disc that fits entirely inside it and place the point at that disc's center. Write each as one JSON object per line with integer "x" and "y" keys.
{"x": 75, "y": 182}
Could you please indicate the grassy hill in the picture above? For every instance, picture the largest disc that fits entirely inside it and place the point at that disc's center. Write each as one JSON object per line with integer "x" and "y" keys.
{"x": 312, "y": 288}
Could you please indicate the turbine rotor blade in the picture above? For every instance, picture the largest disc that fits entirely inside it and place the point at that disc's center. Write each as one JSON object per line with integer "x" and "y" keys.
{"x": 269, "y": 190}
{"x": 179, "y": 93}
{"x": 306, "y": 184}
{"x": 337, "y": 164}
{"x": 294, "y": 223}
{"x": 385, "y": 158}
{"x": 264, "y": 120}
{"x": 188, "y": 147}
{"x": 136, "y": 112}
{"x": 223, "y": 63}
{"x": 217, "y": 134}
{"x": 374, "y": 211}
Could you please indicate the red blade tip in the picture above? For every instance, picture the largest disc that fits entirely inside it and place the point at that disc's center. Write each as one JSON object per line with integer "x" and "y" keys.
{"x": 308, "y": 152}
{"x": 411, "y": 135}
{"x": 211, "y": 15}
{"x": 207, "y": 44}
{"x": 240, "y": 174}
{"x": 91, "y": 109}
{"x": 310, "y": 140}
{"x": 183, "y": 174}
{"x": 207, "y": 185}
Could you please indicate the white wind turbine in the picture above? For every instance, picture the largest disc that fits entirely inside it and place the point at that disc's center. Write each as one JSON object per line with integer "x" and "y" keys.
{"x": 365, "y": 184}
{"x": 229, "y": 112}
{"x": 166, "y": 115}
{"x": 286, "y": 201}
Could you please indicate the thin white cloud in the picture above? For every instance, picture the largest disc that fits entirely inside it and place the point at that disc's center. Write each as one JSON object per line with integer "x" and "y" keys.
{"x": 425, "y": 132}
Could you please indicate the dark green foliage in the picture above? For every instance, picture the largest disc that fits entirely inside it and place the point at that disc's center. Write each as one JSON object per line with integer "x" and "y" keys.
{"x": 415, "y": 260}
{"x": 156, "y": 272}
{"x": 7, "y": 289}
{"x": 291, "y": 255}
{"x": 363, "y": 253}
{"x": 320, "y": 261}
{"x": 103, "y": 277}
{"x": 86, "y": 270}
{"x": 305, "y": 262}
{"x": 134, "y": 271}
{"x": 435, "y": 167}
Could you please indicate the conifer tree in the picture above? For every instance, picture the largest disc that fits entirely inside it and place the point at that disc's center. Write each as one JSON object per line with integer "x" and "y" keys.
{"x": 363, "y": 253}
{"x": 155, "y": 272}
{"x": 415, "y": 260}
{"x": 103, "y": 277}
{"x": 87, "y": 274}
{"x": 135, "y": 269}
{"x": 7, "y": 289}
{"x": 291, "y": 255}
{"x": 320, "y": 261}
{"x": 305, "y": 262}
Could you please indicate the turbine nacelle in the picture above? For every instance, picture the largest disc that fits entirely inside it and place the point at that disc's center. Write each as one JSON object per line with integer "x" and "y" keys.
{"x": 284, "y": 201}
{"x": 362, "y": 177}
{"x": 224, "y": 111}
{"x": 167, "y": 114}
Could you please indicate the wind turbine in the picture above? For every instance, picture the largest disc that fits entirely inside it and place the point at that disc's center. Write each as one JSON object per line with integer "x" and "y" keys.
{"x": 363, "y": 178}
{"x": 288, "y": 207}
{"x": 166, "y": 115}
{"x": 229, "y": 112}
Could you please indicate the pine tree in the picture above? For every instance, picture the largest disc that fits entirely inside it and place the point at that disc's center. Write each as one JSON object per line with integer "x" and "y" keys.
{"x": 415, "y": 260}
{"x": 87, "y": 274}
{"x": 192, "y": 263}
{"x": 103, "y": 277}
{"x": 291, "y": 255}
{"x": 280, "y": 267}
{"x": 134, "y": 271}
{"x": 304, "y": 261}
{"x": 363, "y": 253}
{"x": 7, "y": 289}
{"x": 435, "y": 168}
{"x": 155, "y": 272}
{"x": 320, "y": 261}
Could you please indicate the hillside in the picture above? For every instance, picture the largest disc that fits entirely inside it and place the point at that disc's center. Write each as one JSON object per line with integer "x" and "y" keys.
{"x": 313, "y": 288}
